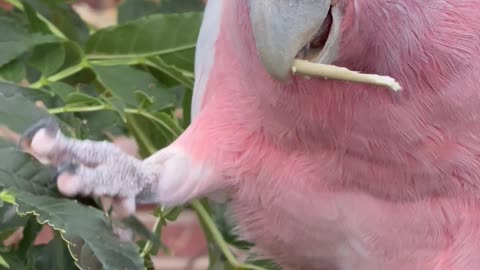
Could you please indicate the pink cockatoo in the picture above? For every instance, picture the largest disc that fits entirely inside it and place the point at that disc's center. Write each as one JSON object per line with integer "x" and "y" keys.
{"x": 320, "y": 174}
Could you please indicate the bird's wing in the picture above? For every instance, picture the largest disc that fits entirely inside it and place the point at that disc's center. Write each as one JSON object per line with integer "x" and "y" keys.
{"x": 205, "y": 52}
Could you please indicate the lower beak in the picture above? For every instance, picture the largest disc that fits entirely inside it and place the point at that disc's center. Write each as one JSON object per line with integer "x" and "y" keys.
{"x": 282, "y": 28}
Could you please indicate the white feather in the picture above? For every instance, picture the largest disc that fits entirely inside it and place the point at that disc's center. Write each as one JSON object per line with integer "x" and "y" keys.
{"x": 205, "y": 51}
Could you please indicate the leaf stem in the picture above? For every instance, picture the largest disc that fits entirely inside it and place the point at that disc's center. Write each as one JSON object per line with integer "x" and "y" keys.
{"x": 60, "y": 75}
{"x": 153, "y": 53}
{"x": 68, "y": 109}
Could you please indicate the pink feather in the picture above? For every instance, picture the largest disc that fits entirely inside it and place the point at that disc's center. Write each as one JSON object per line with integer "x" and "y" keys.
{"x": 332, "y": 175}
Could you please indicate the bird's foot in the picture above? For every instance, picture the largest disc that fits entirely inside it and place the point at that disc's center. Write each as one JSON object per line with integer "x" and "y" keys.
{"x": 88, "y": 168}
{"x": 169, "y": 177}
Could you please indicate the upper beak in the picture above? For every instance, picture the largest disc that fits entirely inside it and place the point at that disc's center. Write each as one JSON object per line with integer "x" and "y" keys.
{"x": 282, "y": 28}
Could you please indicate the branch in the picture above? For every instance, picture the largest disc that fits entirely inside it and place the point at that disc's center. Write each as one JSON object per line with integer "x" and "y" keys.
{"x": 342, "y": 74}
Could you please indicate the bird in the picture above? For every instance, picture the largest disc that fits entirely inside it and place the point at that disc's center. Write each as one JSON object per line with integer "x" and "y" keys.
{"x": 320, "y": 174}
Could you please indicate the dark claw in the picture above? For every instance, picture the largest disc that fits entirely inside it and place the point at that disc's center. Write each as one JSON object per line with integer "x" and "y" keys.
{"x": 67, "y": 167}
{"x": 50, "y": 125}
{"x": 146, "y": 196}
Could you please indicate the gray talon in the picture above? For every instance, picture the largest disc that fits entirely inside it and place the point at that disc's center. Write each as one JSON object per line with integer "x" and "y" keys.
{"x": 67, "y": 167}
{"x": 49, "y": 124}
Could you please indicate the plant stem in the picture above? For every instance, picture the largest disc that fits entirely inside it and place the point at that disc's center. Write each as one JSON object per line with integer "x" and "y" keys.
{"x": 216, "y": 235}
{"x": 157, "y": 228}
{"x": 143, "y": 137}
{"x": 60, "y": 75}
{"x": 218, "y": 238}
{"x": 153, "y": 118}
{"x": 117, "y": 62}
{"x": 67, "y": 109}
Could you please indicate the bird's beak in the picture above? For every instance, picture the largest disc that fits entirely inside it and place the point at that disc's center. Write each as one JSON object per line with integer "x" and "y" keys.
{"x": 283, "y": 28}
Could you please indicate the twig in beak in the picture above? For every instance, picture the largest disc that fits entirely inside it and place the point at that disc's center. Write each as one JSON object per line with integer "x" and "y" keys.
{"x": 331, "y": 72}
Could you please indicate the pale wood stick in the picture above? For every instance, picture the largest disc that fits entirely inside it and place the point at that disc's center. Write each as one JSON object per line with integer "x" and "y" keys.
{"x": 331, "y": 72}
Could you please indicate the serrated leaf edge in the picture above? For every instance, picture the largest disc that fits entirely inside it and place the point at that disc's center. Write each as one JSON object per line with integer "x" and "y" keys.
{"x": 46, "y": 221}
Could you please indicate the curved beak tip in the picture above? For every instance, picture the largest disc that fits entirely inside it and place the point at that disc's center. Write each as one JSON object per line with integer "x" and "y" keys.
{"x": 282, "y": 28}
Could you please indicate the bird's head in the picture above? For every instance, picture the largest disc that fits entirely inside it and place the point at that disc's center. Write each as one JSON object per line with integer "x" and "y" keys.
{"x": 250, "y": 45}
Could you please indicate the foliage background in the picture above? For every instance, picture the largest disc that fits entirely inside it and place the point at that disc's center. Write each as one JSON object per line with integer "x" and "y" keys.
{"x": 133, "y": 79}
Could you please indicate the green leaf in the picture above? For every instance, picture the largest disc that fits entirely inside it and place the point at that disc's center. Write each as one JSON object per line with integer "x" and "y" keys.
{"x": 54, "y": 255}
{"x": 20, "y": 171}
{"x": 7, "y": 197}
{"x": 73, "y": 54}
{"x": 180, "y": 76}
{"x": 48, "y": 58}
{"x": 183, "y": 60}
{"x": 36, "y": 25}
{"x": 154, "y": 35}
{"x": 61, "y": 89}
{"x": 134, "y": 9}
{"x": 16, "y": 110}
{"x": 17, "y": 113}
{"x": 187, "y": 108}
{"x": 62, "y": 16}
{"x": 85, "y": 227}
{"x": 60, "y": 1}
{"x": 30, "y": 232}
{"x": 32, "y": 185}
{"x": 118, "y": 106}
{"x": 8, "y": 218}
{"x": 102, "y": 124}
{"x": 80, "y": 99}
{"x": 13, "y": 261}
{"x": 144, "y": 100}
{"x": 264, "y": 263}
{"x": 173, "y": 214}
{"x": 3, "y": 262}
{"x": 9, "y": 221}
{"x": 226, "y": 227}
{"x": 149, "y": 265}
{"x": 13, "y": 71}
{"x": 139, "y": 228}
{"x": 125, "y": 82}
{"x": 15, "y": 40}
{"x": 152, "y": 131}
